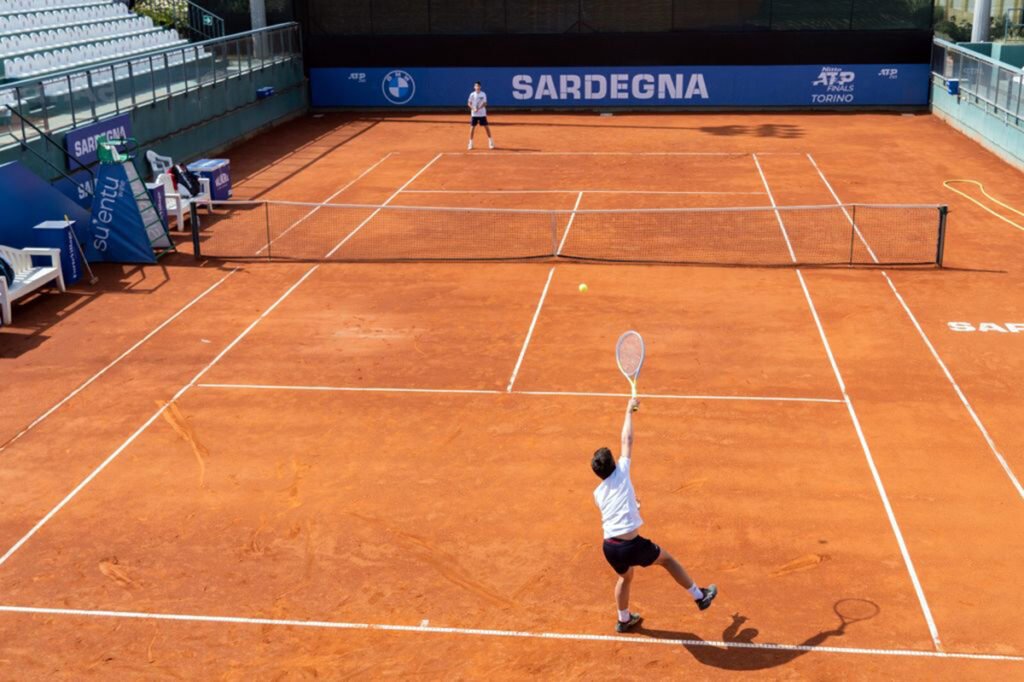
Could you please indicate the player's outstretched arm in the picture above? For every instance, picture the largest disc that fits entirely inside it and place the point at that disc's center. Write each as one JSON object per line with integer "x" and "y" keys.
{"x": 627, "y": 427}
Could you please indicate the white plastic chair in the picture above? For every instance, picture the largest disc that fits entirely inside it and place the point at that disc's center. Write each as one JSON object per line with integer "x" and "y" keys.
{"x": 177, "y": 200}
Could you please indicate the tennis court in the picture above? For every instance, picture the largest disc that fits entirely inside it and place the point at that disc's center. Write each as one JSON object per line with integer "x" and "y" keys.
{"x": 381, "y": 468}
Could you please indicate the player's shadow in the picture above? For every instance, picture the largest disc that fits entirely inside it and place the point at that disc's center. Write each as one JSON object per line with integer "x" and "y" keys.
{"x": 781, "y": 130}
{"x": 737, "y": 649}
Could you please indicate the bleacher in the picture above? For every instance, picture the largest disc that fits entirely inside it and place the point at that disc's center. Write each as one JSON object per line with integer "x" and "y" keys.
{"x": 42, "y": 36}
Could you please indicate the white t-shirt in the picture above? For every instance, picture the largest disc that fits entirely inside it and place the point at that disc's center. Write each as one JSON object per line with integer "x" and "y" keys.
{"x": 620, "y": 514}
{"x": 478, "y": 99}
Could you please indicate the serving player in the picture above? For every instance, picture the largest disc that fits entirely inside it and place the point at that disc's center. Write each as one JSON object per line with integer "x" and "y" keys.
{"x": 478, "y": 114}
{"x": 624, "y": 547}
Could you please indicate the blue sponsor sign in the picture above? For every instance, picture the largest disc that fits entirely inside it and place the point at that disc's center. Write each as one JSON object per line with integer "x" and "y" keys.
{"x": 826, "y": 85}
{"x": 77, "y": 186}
{"x": 80, "y": 143}
{"x": 116, "y": 232}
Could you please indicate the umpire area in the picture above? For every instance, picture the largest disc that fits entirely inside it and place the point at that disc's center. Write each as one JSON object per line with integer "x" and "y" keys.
{"x": 281, "y": 466}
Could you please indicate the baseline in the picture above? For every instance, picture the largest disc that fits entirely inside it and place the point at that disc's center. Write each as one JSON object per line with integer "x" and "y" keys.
{"x": 485, "y": 391}
{"x": 480, "y": 632}
{"x": 576, "y": 191}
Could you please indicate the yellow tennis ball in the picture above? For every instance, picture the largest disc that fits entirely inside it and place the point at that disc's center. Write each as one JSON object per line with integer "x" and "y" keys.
{"x": 583, "y": 288}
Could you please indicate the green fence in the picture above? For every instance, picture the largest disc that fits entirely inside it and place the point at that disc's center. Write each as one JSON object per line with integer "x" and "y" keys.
{"x": 986, "y": 101}
{"x": 183, "y": 111}
{"x": 67, "y": 99}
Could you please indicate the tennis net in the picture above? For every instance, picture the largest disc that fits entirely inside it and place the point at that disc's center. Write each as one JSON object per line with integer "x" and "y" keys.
{"x": 855, "y": 234}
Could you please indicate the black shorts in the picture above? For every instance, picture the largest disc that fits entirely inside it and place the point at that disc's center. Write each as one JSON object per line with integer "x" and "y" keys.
{"x": 474, "y": 121}
{"x": 624, "y": 554}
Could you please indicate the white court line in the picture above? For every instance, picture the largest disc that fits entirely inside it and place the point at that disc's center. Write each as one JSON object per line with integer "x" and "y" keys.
{"x": 922, "y": 600}
{"x": 670, "y": 396}
{"x": 131, "y": 439}
{"x": 572, "y": 191}
{"x": 103, "y": 465}
{"x": 379, "y": 208}
{"x": 512, "y": 153}
{"x": 893, "y": 523}
{"x": 935, "y": 354}
{"x": 353, "y": 389}
{"x": 529, "y": 334}
{"x": 38, "y": 420}
{"x": 960, "y": 394}
{"x": 572, "y": 218}
{"x": 849, "y": 218}
{"x": 512, "y": 634}
{"x": 326, "y": 201}
{"x": 778, "y": 216}
{"x": 484, "y": 391}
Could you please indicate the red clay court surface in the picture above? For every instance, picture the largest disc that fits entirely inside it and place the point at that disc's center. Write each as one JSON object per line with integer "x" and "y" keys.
{"x": 286, "y": 470}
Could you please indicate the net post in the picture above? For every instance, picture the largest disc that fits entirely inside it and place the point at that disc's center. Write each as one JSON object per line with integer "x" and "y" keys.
{"x": 853, "y": 230}
{"x": 194, "y": 224}
{"x": 941, "y": 247}
{"x": 266, "y": 220}
{"x": 553, "y": 219}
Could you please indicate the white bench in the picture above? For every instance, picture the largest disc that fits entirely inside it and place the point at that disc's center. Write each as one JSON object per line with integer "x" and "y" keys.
{"x": 27, "y": 278}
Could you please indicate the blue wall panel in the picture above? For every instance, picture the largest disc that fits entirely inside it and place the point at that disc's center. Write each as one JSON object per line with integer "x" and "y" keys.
{"x": 708, "y": 86}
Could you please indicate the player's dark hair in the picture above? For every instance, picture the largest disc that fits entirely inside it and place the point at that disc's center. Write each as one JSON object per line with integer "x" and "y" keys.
{"x": 479, "y": 83}
{"x": 603, "y": 463}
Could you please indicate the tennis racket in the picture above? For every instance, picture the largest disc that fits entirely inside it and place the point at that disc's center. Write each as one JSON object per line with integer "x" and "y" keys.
{"x": 854, "y": 610}
{"x": 629, "y": 354}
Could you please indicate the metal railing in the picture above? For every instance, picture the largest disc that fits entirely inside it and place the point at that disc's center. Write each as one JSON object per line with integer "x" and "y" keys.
{"x": 190, "y": 19}
{"x": 66, "y": 99}
{"x": 983, "y": 81}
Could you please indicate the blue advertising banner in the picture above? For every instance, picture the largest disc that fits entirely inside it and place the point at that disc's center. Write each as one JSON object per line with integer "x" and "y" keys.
{"x": 80, "y": 143}
{"x": 77, "y": 187}
{"x": 605, "y": 86}
{"x": 116, "y": 231}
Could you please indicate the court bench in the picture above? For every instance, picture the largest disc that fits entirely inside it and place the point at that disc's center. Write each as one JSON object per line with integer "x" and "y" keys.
{"x": 27, "y": 277}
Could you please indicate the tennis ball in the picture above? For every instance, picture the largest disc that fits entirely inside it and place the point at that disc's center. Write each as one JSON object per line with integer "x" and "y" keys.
{"x": 583, "y": 288}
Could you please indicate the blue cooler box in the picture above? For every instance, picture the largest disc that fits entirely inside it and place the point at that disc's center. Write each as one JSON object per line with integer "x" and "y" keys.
{"x": 56, "y": 234}
{"x": 219, "y": 173}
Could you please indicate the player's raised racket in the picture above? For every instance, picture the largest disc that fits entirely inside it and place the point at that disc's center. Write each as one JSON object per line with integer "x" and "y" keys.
{"x": 629, "y": 354}
{"x": 854, "y": 610}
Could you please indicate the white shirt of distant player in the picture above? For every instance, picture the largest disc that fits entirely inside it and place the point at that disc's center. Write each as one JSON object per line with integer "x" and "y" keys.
{"x": 478, "y": 99}
{"x": 615, "y": 497}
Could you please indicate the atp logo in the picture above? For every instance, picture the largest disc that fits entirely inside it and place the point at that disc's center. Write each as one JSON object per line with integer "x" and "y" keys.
{"x": 835, "y": 79}
{"x": 398, "y": 87}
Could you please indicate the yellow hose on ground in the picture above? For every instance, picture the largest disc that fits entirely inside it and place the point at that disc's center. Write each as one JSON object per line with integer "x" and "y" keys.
{"x": 948, "y": 185}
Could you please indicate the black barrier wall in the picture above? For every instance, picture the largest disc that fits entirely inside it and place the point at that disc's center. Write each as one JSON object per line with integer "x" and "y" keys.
{"x": 417, "y": 33}
{"x": 700, "y": 48}
{"x": 461, "y": 17}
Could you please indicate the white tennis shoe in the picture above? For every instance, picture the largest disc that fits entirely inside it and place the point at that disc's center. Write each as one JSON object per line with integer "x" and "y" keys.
{"x": 470, "y": 145}
{"x": 490, "y": 143}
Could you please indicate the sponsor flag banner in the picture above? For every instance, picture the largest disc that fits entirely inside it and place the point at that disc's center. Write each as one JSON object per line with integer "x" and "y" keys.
{"x": 827, "y": 85}
{"x": 116, "y": 231}
{"x": 81, "y": 144}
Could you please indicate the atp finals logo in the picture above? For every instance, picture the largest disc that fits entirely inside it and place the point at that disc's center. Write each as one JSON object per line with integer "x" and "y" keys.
{"x": 398, "y": 87}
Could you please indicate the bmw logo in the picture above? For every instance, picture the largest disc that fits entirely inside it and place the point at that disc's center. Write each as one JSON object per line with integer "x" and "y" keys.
{"x": 398, "y": 87}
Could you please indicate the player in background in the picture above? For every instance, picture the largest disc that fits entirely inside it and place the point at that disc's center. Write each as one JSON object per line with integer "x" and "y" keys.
{"x": 478, "y": 114}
